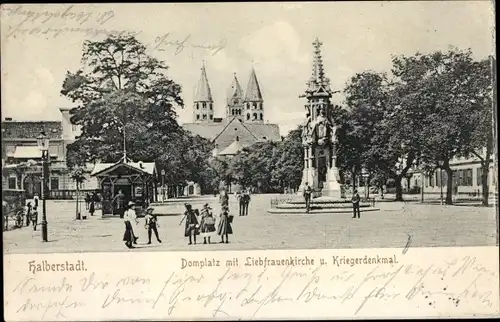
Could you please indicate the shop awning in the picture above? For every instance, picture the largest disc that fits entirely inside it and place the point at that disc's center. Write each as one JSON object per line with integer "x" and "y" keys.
{"x": 29, "y": 152}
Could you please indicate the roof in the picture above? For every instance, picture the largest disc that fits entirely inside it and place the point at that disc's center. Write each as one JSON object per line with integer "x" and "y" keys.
{"x": 203, "y": 92}
{"x": 232, "y": 149}
{"x": 264, "y": 131}
{"x": 147, "y": 167}
{"x": 31, "y": 129}
{"x": 253, "y": 93}
{"x": 206, "y": 130}
{"x": 226, "y": 132}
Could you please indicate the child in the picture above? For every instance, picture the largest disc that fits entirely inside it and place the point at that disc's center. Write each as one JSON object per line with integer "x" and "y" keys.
{"x": 151, "y": 224}
{"x": 191, "y": 227}
{"x": 225, "y": 228}
{"x": 207, "y": 223}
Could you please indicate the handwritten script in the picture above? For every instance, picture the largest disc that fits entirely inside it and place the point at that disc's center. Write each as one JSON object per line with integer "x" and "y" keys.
{"x": 22, "y": 21}
{"x": 235, "y": 292}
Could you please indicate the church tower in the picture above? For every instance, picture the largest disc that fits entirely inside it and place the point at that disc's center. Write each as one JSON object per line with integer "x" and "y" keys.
{"x": 235, "y": 99}
{"x": 254, "y": 104}
{"x": 203, "y": 109}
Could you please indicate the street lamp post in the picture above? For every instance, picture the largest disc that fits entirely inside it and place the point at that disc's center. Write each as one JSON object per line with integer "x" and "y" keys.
{"x": 163, "y": 185}
{"x": 43, "y": 144}
{"x": 441, "y": 163}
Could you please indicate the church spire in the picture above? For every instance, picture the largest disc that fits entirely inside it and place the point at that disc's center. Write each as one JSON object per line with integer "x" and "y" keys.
{"x": 235, "y": 92}
{"x": 253, "y": 93}
{"x": 253, "y": 100}
{"x": 318, "y": 80}
{"x": 203, "y": 109}
{"x": 203, "y": 92}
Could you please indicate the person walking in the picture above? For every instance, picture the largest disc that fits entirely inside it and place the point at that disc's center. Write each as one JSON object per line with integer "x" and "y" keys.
{"x": 119, "y": 199}
{"x": 29, "y": 209}
{"x": 207, "y": 224}
{"x": 241, "y": 202}
{"x": 92, "y": 207}
{"x": 224, "y": 198}
{"x": 224, "y": 228}
{"x": 87, "y": 201}
{"x": 152, "y": 224}
{"x": 130, "y": 220}
{"x": 307, "y": 196}
{"x": 191, "y": 228}
{"x": 34, "y": 217}
{"x": 246, "y": 202}
{"x": 355, "y": 204}
{"x": 36, "y": 199}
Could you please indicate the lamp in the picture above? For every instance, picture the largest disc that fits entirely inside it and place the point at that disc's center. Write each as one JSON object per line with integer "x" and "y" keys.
{"x": 43, "y": 144}
{"x": 441, "y": 163}
{"x": 163, "y": 185}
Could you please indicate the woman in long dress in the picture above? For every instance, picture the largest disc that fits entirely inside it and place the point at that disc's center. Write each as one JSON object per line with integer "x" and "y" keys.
{"x": 207, "y": 224}
{"x": 224, "y": 228}
{"x": 130, "y": 220}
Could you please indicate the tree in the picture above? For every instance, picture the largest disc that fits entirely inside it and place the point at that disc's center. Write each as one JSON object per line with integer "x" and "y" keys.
{"x": 446, "y": 88}
{"x": 482, "y": 134}
{"x": 254, "y": 166}
{"x": 78, "y": 175}
{"x": 375, "y": 136}
{"x": 288, "y": 170}
{"x": 121, "y": 91}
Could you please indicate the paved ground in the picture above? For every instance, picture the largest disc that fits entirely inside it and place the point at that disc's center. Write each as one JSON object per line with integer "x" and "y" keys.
{"x": 429, "y": 225}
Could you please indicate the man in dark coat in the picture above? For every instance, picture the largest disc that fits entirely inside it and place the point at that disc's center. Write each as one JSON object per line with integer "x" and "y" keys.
{"x": 307, "y": 196}
{"x": 355, "y": 204}
{"x": 246, "y": 202}
{"x": 120, "y": 203}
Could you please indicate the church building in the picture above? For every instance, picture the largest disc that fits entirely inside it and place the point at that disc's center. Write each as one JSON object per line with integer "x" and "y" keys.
{"x": 242, "y": 124}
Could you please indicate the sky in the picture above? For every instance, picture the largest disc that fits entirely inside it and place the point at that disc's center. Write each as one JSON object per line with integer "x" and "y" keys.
{"x": 40, "y": 43}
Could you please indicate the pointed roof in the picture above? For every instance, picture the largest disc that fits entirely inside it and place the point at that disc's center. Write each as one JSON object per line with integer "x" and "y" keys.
{"x": 101, "y": 169}
{"x": 235, "y": 91}
{"x": 318, "y": 82}
{"x": 253, "y": 93}
{"x": 232, "y": 149}
{"x": 203, "y": 92}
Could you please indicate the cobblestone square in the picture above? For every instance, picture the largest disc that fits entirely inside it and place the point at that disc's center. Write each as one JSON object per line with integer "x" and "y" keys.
{"x": 395, "y": 225}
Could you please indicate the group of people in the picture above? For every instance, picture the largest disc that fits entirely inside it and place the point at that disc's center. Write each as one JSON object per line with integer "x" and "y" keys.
{"x": 244, "y": 200}
{"x": 203, "y": 223}
{"x": 131, "y": 221}
{"x": 93, "y": 200}
{"x": 195, "y": 222}
{"x": 307, "y": 193}
{"x": 31, "y": 211}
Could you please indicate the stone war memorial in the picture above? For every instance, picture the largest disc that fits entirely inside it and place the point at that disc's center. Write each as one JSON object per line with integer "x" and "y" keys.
{"x": 319, "y": 139}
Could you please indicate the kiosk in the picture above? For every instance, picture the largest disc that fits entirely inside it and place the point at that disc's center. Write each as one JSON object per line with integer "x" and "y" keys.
{"x": 136, "y": 181}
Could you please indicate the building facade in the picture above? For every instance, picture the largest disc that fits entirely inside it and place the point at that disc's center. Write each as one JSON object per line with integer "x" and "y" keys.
{"x": 19, "y": 146}
{"x": 466, "y": 178}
